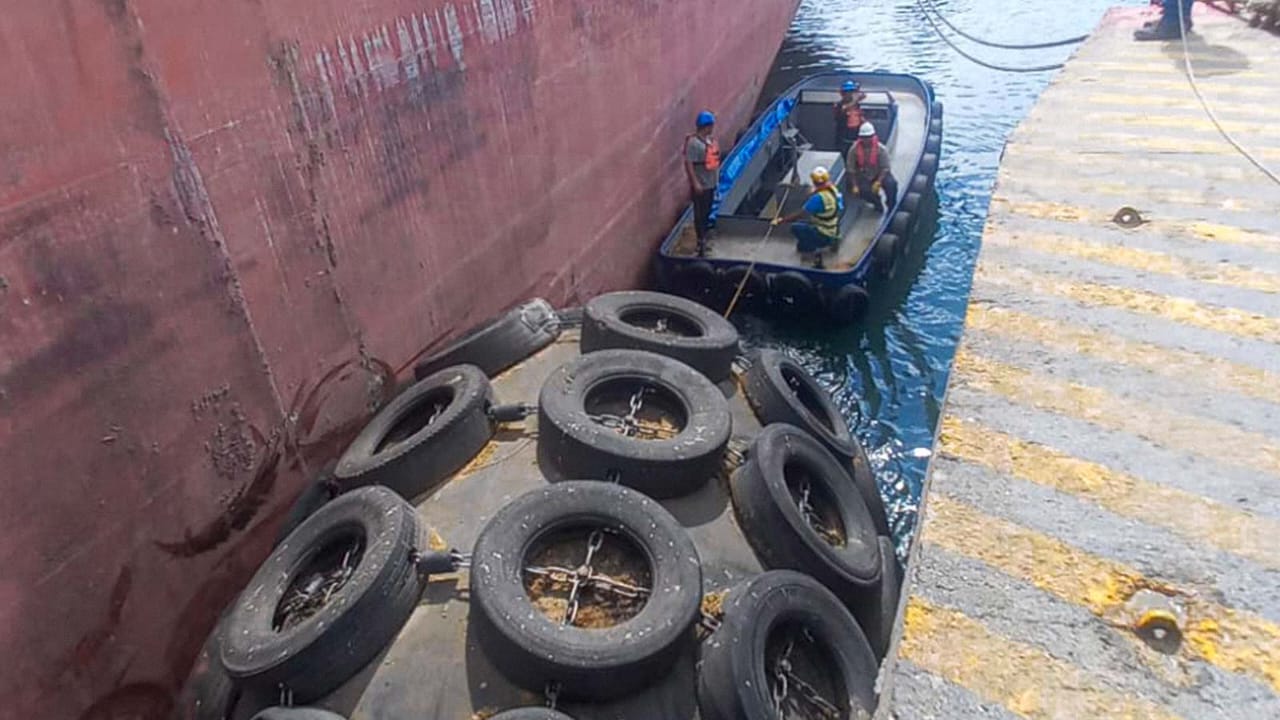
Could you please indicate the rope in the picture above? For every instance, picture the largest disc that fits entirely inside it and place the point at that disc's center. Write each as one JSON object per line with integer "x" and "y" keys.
{"x": 983, "y": 63}
{"x": 747, "y": 275}
{"x": 1195, "y": 88}
{"x": 1003, "y": 46}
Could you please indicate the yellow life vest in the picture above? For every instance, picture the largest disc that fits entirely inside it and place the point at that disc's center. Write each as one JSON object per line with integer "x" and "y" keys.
{"x": 827, "y": 222}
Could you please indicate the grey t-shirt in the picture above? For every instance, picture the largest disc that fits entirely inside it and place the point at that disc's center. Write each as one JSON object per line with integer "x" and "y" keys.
{"x": 696, "y": 151}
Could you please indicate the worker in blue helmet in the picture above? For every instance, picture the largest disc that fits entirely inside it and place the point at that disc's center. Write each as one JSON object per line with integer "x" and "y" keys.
{"x": 702, "y": 167}
{"x": 849, "y": 116}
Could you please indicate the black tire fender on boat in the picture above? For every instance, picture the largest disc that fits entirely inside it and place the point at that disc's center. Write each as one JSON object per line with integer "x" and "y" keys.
{"x": 754, "y": 292}
{"x": 423, "y": 436}
{"x": 696, "y": 335}
{"x": 296, "y": 713}
{"x": 876, "y": 616}
{"x": 929, "y": 164}
{"x": 794, "y": 294}
{"x": 900, "y": 225}
{"x": 580, "y": 447}
{"x": 920, "y": 184}
{"x": 734, "y": 682}
{"x": 497, "y": 344}
{"x": 780, "y": 391}
{"x": 765, "y": 491}
{"x": 885, "y": 254}
{"x": 848, "y": 304}
{"x": 697, "y": 281}
{"x": 910, "y": 203}
{"x": 531, "y": 713}
{"x": 531, "y": 649}
{"x": 319, "y": 653}
{"x": 933, "y": 144}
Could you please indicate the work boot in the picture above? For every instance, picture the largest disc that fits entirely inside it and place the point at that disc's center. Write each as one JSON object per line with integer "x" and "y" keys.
{"x": 817, "y": 261}
{"x": 1159, "y": 32}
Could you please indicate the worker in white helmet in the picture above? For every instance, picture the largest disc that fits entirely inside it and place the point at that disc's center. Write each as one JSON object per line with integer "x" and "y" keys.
{"x": 823, "y": 209}
{"x": 869, "y": 173}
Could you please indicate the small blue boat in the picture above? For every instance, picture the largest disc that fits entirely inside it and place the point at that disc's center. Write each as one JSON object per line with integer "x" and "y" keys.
{"x": 767, "y": 175}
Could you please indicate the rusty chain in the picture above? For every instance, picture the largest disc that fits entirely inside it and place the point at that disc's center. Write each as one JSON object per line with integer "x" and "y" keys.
{"x": 785, "y": 680}
{"x": 585, "y": 575}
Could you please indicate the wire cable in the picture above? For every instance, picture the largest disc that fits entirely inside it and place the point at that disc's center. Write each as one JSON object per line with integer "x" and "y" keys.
{"x": 1195, "y": 88}
{"x": 1003, "y": 46}
{"x": 983, "y": 63}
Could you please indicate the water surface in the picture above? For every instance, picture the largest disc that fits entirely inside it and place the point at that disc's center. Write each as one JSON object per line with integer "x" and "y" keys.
{"x": 889, "y": 372}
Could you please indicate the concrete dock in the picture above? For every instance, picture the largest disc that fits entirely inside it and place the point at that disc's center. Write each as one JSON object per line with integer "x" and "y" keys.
{"x": 1112, "y": 427}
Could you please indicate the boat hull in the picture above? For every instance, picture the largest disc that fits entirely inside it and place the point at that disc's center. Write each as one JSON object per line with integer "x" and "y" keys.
{"x": 228, "y": 229}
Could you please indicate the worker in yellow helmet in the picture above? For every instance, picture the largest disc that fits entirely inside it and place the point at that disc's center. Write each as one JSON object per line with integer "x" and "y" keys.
{"x": 823, "y": 209}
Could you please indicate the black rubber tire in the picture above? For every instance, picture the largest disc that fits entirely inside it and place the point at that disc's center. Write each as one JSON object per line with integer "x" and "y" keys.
{"x": 710, "y": 350}
{"x": 929, "y": 164}
{"x": 531, "y": 713}
{"x": 935, "y": 110}
{"x": 876, "y": 616}
{"x": 885, "y": 255}
{"x": 316, "y": 656}
{"x": 579, "y": 447}
{"x": 570, "y": 316}
{"x": 433, "y": 452}
{"x": 210, "y": 694}
{"x": 296, "y": 713}
{"x": 754, "y": 293}
{"x": 313, "y": 497}
{"x": 771, "y": 386}
{"x": 793, "y": 294}
{"x": 779, "y": 534}
{"x": 495, "y": 345}
{"x": 848, "y": 304}
{"x": 900, "y": 225}
{"x": 697, "y": 281}
{"x": 920, "y": 184}
{"x": 864, "y": 478}
{"x": 598, "y": 664}
{"x": 933, "y": 143}
{"x": 910, "y": 203}
{"x": 733, "y": 682}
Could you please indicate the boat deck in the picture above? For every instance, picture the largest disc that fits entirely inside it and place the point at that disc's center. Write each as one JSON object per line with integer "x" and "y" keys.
{"x": 779, "y": 248}
{"x": 1111, "y": 437}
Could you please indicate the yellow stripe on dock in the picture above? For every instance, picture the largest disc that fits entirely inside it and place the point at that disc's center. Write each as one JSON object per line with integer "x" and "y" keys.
{"x": 1191, "y": 229}
{"x": 1202, "y": 124}
{"x": 1180, "y": 101}
{"x": 1217, "y": 441}
{"x": 1145, "y": 260}
{"x": 1185, "y": 514}
{"x": 1233, "y": 640}
{"x": 1213, "y": 72}
{"x": 1185, "y": 311}
{"x": 1157, "y": 359}
{"x": 1024, "y": 679}
{"x": 1134, "y": 143}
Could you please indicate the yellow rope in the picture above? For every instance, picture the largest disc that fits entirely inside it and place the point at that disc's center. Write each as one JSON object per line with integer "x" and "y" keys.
{"x": 747, "y": 275}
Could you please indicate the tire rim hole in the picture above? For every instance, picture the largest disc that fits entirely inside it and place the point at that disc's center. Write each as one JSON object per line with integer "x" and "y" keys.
{"x": 421, "y": 415}
{"x": 816, "y": 504}
{"x": 807, "y": 397}
{"x": 321, "y": 576}
{"x": 661, "y": 322}
{"x": 636, "y": 409}
{"x": 801, "y": 678}
{"x": 587, "y": 578}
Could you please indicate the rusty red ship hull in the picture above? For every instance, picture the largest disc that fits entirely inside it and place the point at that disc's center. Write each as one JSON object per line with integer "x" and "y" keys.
{"x": 226, "y": 227}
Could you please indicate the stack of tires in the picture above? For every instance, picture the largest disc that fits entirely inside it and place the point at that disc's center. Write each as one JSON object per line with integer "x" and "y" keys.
{"x": 640, "y": 417}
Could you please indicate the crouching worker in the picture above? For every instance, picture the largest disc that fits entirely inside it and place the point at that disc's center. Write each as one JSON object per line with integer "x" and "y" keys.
{"x": 822, "y": 210}
{"x": 869, "y": 161}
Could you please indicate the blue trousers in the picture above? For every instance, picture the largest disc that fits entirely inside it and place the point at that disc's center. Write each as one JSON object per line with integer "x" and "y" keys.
{"x": 808, "y": 239}
{"x": 1169, "y": 19}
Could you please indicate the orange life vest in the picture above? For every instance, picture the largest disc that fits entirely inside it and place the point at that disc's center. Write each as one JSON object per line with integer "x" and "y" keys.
{"x": 852, "y": 114}
{"x": 861, "y": 159}
{"x": 712, "y": 160}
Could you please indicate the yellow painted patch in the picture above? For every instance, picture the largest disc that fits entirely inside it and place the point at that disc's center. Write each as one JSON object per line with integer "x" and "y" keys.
{"x": 1190, "y": 516}
{"x": 1228, "y": 320}
{"x": 1200, "y": 123}
{"x": 1021, "y": 677}
{"x": 1133, "y": 143}
{"x": 1165, "y": 361}
{"x": 1233, "y": 640}
{"x": 1145, "y": 260}
{"x": 1217, "y": 441}
{"x": 1180, "y": 101}
{"x": 1119, "y": 69}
